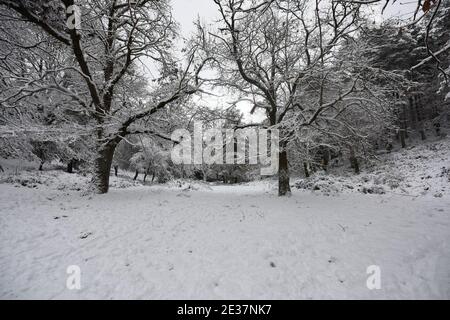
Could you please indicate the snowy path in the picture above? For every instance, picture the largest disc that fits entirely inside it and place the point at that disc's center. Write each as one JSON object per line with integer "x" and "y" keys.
{"x": 228, "y": 242}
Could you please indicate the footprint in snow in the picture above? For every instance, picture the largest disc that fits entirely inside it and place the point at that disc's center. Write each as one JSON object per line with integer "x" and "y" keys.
{"x": 85, "y": 235}
{"x": 184, "y": 195}
{"x": 56, "y": 218}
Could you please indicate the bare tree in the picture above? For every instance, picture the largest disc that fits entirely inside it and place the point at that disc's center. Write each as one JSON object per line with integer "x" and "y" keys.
{"x": 271, "y": 52}
{"x": 101, "y": 42}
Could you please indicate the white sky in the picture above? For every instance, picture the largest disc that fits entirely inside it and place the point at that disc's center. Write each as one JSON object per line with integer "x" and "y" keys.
{"x": 187, "y": 11}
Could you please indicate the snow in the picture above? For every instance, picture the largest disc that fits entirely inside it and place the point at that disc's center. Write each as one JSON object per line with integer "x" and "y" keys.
{"x": 188, "y": 240}
{"x": 421, "y": 170}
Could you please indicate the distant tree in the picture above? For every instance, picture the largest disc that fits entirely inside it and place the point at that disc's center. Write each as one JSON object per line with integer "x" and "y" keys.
{"x": 153, "y": 160}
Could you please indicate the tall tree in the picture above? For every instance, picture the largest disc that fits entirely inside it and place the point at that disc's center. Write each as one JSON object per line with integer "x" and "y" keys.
{"x": 104, "y": 40}
{"x": 269, "y": 51}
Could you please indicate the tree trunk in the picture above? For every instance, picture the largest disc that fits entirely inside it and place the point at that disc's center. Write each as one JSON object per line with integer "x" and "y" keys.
{"x": 116, "y": 170}
{"x": 145, "y": 176}
{"x": 437, "y": 128}
{"x": 325, "y": 159}
{"x": 136, "y": 175}
{"x": 284, "y": 187}
{"x": 420, "y": 119}
{"x": 403, "y": 128}
{"x": 413, "y": 106}
{"x": 305, "y": 167}
{"x": 102, "y": 168}
{"x": 41, "y": 166}
{"x": 402, "y": 138}
{"x": 70, "y": 167}
{"x": 422, "y": 131}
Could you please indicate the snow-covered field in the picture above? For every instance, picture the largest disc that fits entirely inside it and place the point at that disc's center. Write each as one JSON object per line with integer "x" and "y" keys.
{"x": 223, "y": 242}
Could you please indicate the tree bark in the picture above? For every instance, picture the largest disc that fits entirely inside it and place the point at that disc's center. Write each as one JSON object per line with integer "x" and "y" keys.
{"x": 284, "y": 187}
{"x": 354, "y": 161}
{"x": 102, "y": 168}
{"x": 70, "y": 167}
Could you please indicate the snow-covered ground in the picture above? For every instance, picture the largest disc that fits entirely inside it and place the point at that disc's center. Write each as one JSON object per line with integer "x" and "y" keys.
{"x": 225, "y": 242}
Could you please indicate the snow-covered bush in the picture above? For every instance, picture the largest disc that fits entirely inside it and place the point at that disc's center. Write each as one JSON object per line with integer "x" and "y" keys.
{"x": 152, "y": 160}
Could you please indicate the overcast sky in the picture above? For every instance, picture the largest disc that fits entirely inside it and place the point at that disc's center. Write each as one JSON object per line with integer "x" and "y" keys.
{"x": 186, "y": 11}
